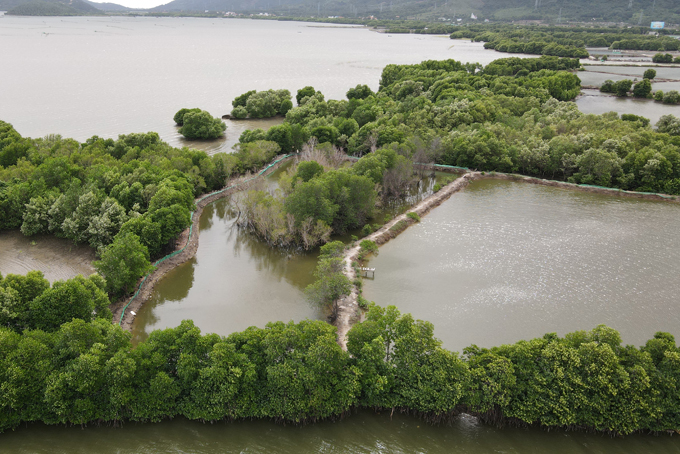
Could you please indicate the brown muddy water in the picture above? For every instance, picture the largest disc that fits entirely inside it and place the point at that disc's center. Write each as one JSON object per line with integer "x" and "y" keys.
{"x": 503, "y": 261}
{"x": 365, "y": 432}
{"x": 236, "y": 281}
{"x": 57, "y": 258}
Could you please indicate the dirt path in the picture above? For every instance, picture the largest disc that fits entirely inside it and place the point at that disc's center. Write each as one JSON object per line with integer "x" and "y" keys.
{"x": 188, "y": 245}
{"x": 348, "y": 307}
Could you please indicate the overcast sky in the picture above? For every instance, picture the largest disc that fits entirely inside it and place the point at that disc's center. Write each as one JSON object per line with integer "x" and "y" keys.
{"x": 136, "y": 3}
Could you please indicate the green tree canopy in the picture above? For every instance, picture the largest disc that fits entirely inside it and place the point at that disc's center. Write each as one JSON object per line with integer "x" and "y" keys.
{"x": 122, "y": 263}
{"x": 201, "y": 125}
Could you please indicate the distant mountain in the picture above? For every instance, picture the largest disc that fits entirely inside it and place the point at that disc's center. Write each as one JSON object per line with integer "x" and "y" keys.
{"x": 345, "y": 8}
{"x": 109, "y": 6}
{"x": 551, "y": 10}
{"x": 220, "y": 5}
{"x": 48, "y": 8}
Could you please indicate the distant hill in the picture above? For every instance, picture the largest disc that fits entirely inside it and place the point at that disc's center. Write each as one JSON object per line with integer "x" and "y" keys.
{"x": 550, "y": 10}
{"x": 108, "y": 6}
{"x": 48, "y": 8}
{"x": 346, "y": 8}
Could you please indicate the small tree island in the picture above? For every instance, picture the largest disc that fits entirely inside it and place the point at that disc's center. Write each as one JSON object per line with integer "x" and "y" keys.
{"x": 199, "y": 124}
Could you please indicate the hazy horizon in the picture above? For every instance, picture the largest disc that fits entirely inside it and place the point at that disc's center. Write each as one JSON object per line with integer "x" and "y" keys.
{"x": 137, "y": 3}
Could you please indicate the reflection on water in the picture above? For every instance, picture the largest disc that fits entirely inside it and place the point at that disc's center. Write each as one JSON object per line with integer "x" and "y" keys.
{"x": 57, "y": 258}
{"x": 504, "y": 261}
{"x": 364, "y": 432}
{"x": 235, "y": 281}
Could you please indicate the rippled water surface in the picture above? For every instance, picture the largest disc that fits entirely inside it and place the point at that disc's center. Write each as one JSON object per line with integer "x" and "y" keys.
{"x": 504, "y": 261}
{"x": 365, "y": 432}
{"x": 57, "y": 258}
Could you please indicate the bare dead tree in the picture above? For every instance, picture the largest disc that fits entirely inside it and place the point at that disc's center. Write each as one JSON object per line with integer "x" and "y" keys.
{"x": 329, "y": 156}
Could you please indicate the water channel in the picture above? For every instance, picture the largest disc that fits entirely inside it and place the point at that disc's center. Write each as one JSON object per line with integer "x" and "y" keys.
{"x": 365, "y": 432}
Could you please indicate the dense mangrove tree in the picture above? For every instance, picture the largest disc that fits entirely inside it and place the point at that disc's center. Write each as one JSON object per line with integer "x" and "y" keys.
{"x": 511, "y": 116}
{"x": 104, "y": 192}
{"x": 85, "y": 371}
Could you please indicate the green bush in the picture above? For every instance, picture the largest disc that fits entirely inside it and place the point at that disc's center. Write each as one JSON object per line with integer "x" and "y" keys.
{"x": 607, "y": 86}
{"x": 662, "y": 58}
{"x": 413, "y": 215}
{"x": 179, "y": 116}
{"x": 122, "y": 263}
{"x": 642, "y": 89}
{"x": 267, "y": 104}
{"x": 201, "y": 125}
{"x": 622, "y": 87}
{"x": 240, "y": 101}
{"x": 363, "y": 302}
{"x": 239, "y": 112}
{"x": 367, "y": 247}
{"x": 672, "y": 97}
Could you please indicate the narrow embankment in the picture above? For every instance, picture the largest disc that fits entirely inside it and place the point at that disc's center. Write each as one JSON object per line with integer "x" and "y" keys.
{"x": 580, "y": 187}
{"x": 348, "y": 307}
{"x": 186, "y": 247}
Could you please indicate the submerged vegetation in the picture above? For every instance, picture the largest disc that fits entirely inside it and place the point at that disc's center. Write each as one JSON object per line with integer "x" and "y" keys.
{"x": 87, "y": 372}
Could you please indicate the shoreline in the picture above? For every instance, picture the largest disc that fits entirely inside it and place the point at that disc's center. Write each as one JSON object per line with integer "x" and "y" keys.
{"x": 186, "y": 246}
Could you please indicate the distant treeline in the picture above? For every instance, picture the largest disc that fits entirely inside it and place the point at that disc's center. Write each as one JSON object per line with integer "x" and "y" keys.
{"x": 563, "y": 41}
{"x": 87, "y": 372}
{"x": 555, "y": 11}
